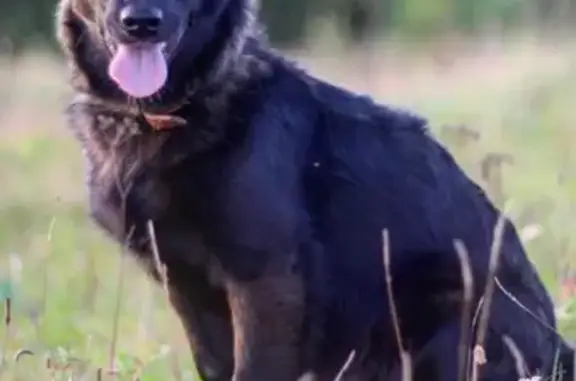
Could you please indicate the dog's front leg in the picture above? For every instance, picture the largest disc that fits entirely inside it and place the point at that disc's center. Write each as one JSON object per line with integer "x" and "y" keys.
{"x": 267, "y": 317}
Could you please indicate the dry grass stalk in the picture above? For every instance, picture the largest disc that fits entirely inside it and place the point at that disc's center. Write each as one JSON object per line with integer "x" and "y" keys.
{"x": 521, "y": 368}
{"x": 146, "y": 316}
{"x": 491, "y": 167}
{"x": 468, "y": 295}
{"x": 160, "y": 266}
{"x": 405, "y": 358}
{"x": 91, "y": 285}
{"x": 7, "y": 323}
{"x": 44, "y": 300}
{"x": 121, "y": 274}
{"x": 509, "y": 295}
{"x": 21, "y": 353}
{"x": 479, "y": 356}
{"x": 117, "y": 309}
{"x": 163, "y": 274}
{"x": 346, "y": 366}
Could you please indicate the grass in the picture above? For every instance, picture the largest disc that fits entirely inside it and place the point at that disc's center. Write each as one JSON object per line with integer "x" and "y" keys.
{"x": 64, "y": 275}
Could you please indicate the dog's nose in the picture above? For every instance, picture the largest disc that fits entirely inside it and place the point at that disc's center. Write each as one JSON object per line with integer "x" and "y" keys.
{"x": 141, "y": 23}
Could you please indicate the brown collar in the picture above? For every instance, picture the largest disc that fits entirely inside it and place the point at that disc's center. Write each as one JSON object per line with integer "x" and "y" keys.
{"x": 161, "y": 122}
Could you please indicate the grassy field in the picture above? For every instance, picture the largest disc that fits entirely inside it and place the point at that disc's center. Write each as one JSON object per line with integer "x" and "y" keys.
{"x": 75, "y": 298}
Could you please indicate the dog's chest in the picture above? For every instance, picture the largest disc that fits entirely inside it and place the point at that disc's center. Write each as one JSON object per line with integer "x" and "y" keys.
{"x": 234, "y": 205}
{"x": 132, "y": 181}
{"x": 127, "y": 204}
{"x": 199, "y": 218}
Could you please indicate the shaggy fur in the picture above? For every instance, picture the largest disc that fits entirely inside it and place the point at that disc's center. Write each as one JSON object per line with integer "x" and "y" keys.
{"x": 268, "y": 208}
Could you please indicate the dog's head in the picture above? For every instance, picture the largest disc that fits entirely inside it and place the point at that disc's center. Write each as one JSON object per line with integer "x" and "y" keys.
{"x": 146, "y": 49}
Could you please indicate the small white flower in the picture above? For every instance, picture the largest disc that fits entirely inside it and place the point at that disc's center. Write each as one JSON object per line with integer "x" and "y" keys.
{"x": 164, "y": 350}
{"x": 530, "y": 232}
{"x": 561, "y": 312}
{"x": 16, "y": 265}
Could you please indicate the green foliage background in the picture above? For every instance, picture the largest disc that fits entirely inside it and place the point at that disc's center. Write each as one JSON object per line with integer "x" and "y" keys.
{"x": 26, "y": 22}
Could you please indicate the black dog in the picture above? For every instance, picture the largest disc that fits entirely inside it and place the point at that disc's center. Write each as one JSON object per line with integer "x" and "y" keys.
{"x": 267, "y": 192}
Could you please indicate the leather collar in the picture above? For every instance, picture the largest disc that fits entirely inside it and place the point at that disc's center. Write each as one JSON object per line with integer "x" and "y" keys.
{"x": 162, "y": 122}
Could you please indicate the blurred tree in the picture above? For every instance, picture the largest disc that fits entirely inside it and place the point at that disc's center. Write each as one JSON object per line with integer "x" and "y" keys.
{"x": 358, "y": 19}
{"x": 25, "y": 22}
{"x": 31, "y": 21}
{"x": 424, "y": 18}
{"x": 286, "y": 24}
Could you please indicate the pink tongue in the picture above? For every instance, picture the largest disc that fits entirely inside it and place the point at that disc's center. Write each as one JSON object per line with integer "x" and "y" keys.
{"x": 139, "y": 71}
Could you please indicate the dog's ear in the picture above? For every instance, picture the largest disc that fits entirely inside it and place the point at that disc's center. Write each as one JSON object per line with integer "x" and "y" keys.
{"x": 85, "y": 10}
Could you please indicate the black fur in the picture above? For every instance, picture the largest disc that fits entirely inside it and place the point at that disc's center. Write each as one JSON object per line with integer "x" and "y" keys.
{"x": 269, "y": 206}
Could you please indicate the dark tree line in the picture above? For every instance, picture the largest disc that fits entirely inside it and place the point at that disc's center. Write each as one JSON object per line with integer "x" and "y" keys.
{"x": 25, "y": 22}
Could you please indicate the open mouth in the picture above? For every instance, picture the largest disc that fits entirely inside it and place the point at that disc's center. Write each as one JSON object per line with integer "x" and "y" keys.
{"x": 139, "y": 69}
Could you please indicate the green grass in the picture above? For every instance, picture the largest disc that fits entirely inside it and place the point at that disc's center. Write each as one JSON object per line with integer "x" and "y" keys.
{"x": 64, "y": 273}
